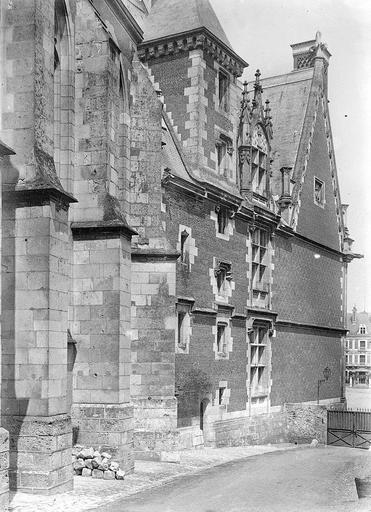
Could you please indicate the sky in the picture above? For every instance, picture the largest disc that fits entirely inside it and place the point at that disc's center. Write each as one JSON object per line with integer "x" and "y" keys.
{"x": 261, "y": 32}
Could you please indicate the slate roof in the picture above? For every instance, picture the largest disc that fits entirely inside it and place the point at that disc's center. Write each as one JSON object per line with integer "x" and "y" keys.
{"x": 170, "y": 17}
{"x": 288, "y": 95}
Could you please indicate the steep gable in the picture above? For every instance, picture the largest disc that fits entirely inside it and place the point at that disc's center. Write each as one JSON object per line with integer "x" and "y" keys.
{"x": 318, "y": 218}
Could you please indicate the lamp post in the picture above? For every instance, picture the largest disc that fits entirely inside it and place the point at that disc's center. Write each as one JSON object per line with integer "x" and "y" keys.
{"x": 327, "y": 375}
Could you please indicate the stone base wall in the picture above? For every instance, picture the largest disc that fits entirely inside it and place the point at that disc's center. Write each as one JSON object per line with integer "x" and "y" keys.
{"x": 245, "y": 431}
{"x": 153, "y": 413}
{"x": 148, "y": 445}
{"x": 108, "y": 427}
{"x": 295, "y": 423}
{"x": 40, "y": 453}
{"x": 306, "y": 422}
{"x": 4, "y": 466}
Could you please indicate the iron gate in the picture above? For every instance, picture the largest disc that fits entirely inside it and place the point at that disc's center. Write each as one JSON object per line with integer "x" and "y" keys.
{"x": 349, "y": 428}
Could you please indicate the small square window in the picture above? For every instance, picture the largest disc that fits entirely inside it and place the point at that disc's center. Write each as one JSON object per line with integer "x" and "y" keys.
{"x": 223, "y": 90}
{"x": 319, "y": 192}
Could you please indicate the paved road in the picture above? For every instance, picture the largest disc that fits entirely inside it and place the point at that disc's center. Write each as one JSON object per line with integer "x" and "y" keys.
{"x": 358, "y": 398}
{"x": 303, "y": 480}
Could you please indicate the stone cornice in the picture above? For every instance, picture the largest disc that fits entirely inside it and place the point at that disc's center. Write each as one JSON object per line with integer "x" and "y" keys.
{"x": 151, "y": 254}
{"x": 305, "y": 325}
{"x": 94, "y": 229}
{"x": 200, "y": 38}
{"x": 37, "y": 196}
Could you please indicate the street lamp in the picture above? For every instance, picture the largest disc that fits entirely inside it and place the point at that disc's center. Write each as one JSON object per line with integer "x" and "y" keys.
{"x": 327, "y": 375}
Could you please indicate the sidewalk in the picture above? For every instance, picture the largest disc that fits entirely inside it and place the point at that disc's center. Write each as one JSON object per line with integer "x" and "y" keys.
{"x": 90, "y": 493}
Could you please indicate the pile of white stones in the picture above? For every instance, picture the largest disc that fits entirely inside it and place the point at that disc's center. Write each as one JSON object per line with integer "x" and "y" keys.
{"x": 90, "y": 462}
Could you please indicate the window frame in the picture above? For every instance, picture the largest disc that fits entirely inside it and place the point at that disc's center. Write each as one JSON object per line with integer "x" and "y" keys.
{"x": 221, "y": 340}
{"x": 183, "y": 326}
{"x": 321, "y": 199}
{"x": 223, "y": 90}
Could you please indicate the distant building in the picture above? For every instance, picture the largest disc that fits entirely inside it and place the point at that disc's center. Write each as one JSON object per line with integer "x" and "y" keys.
{"x": 358, "y": 348}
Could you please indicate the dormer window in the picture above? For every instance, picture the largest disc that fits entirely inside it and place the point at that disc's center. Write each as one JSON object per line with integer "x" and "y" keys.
{"x": 362, "y": 329}
{"x": 223, "y": 90}
{"x": 319, "y": 192}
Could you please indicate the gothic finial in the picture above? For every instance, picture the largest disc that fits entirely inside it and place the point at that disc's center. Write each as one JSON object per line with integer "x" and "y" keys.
{"x": 258, "y": 89}
{"x": 318, "y": 38}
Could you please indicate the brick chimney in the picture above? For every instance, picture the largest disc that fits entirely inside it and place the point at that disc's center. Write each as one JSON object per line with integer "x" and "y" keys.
{"x": 305, "y": 53}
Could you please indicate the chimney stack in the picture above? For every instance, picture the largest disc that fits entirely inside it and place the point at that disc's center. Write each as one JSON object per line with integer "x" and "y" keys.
{"x": 305, "y": 53}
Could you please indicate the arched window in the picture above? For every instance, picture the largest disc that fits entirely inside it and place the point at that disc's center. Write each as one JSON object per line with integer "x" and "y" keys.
{"x": 63, "y": 95}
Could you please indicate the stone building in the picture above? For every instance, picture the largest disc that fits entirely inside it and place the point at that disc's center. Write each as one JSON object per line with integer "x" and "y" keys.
{"x": 358, "y": 348}
{"x": 173, "y": 246}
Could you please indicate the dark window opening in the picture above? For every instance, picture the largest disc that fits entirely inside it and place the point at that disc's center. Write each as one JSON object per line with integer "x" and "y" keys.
{"x": 221, "y": 339}
{"x": 220, "y": 395}
{"x": 223, "y": 90}
{"x": 222, "y": 220}
{"x": 183, "y": 247}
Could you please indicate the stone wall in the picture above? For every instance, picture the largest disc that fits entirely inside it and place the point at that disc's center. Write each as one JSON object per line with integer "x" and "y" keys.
{"x": 295, "y": 423}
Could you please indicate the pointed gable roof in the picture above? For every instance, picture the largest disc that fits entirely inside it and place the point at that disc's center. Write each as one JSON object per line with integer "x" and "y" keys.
{"x": 170, "y": 17}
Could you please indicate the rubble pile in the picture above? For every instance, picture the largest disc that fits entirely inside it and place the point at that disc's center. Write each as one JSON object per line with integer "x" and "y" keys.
{"x": 90, "y": 462}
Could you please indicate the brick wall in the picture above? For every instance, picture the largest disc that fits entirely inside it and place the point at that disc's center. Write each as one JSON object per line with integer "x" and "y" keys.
{"x": 307, "y": 288}
{"x": 299, "y": 357}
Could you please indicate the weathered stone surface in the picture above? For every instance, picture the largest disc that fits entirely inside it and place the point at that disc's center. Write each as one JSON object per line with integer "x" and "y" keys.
{"x": 114, "y": 466}
{"x": 87, "y": 453}
{"x": 86, "y": 472}
{"x": 78, "y": 466}
{"x": 96, "y": 462}
{"x": 173, "y": 457}
{"x": 97, "y": 473}
{"x": 89, "y": 463}
{"x": 109, "y": 475}
{"x": 120, "y": 475}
